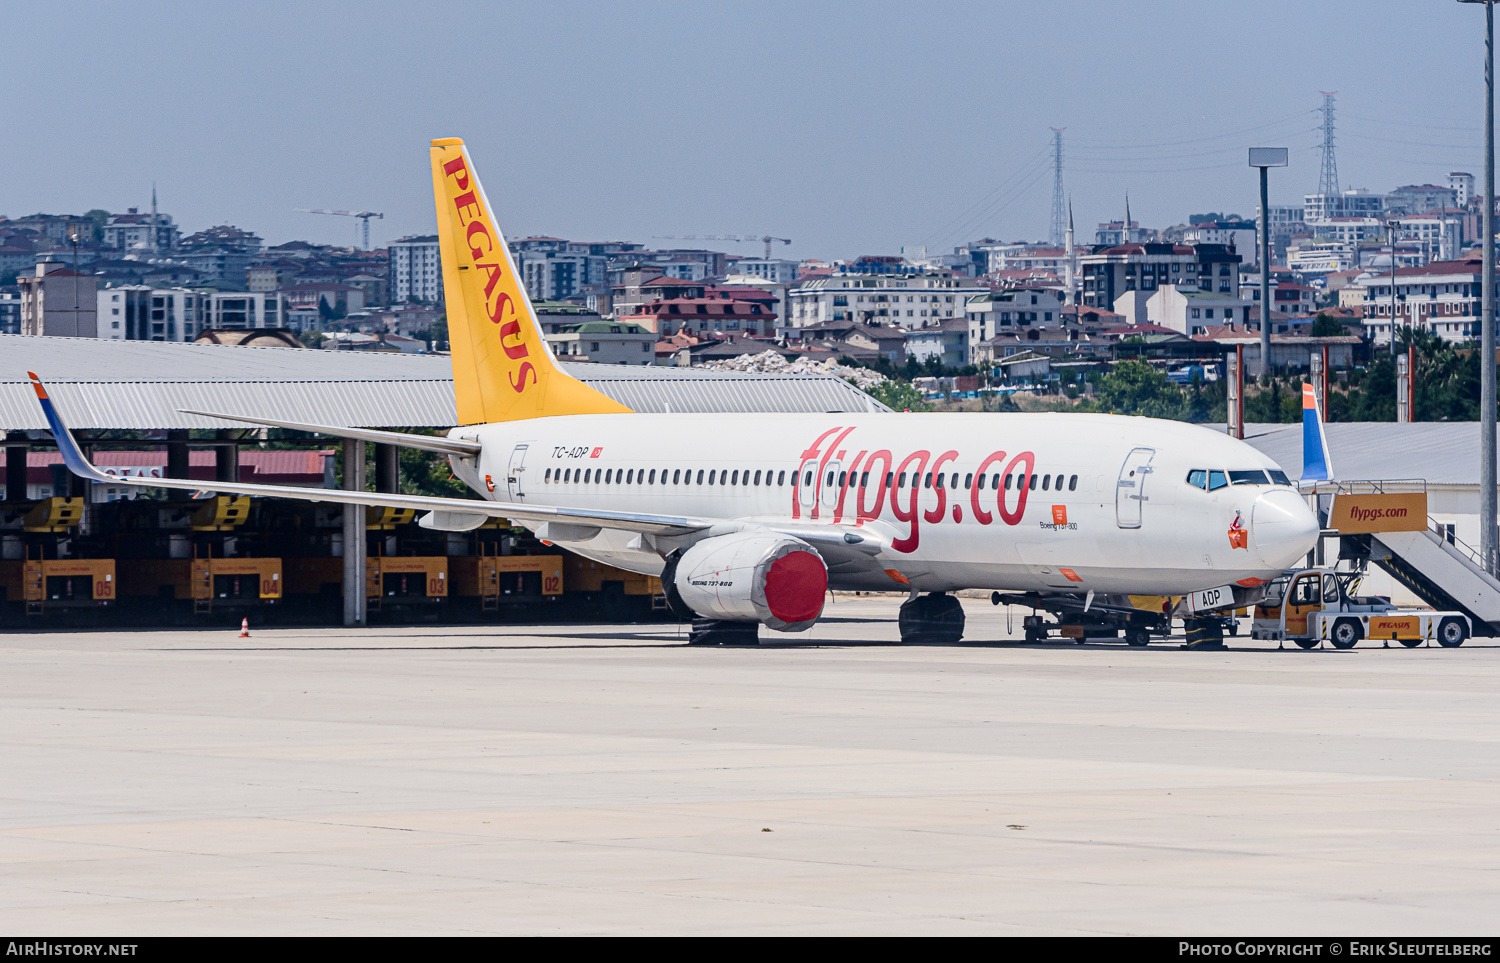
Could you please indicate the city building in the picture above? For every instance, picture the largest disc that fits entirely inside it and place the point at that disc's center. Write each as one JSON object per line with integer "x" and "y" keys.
{"x": 776, "y": 295}
{"x": 56, "y": 301}
{"x": 605, "y": 342}
{"x": 139, "y": 233}
{"x": 219, "y": 264}
{"x": 10, "y": 313}
{"x": 244, "y": 309}
{"x": 640, "y": 284}
{"x": 1239, "y": 236}
{"x": 1110, "y": 272}
{"x": 705, "y": 317}
{"x": 1111, "y": 233}
{"x": 1288, "y": 299}
{"x": 1439, "y": 235}
{"x": 142, "y": 313}
{"x": 1308, "y": 256}
{"x": 913, "y": 301}
{"x": 1462, "y": 184}
{"x": 335, "y": 298}
{"x": 56, "y": 230}
{"x": 947, "y": 341}
{"x": 1442, "y": 297}
{"x": 1350, "y": 230}
{"x": 416, "y": 272}
{"x": 775, "y": 270}
{"x": 1421, "y": 198}
{"x": 881, "y": 341}
{"x": 1192, "y": 312}
{"x": 225, "y": 236}
{"x": 373, "y": 289}
{"x": 1025, "y": 257}
{"x": 1350, "y": 203}
{"x": 1004, "y": 312}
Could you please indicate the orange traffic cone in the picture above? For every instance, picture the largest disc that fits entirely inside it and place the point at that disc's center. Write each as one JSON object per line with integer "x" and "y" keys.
{"x": 244, "y": 628}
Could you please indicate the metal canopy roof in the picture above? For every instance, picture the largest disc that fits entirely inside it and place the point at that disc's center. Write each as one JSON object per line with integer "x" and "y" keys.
{"x": 1442, "y": 452}
{"x": 140, "y": 385}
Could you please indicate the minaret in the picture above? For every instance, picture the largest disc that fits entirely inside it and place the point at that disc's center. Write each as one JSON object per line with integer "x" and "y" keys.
{"x": 1125, "y": 231}
{"x": 1068, "y": 259}
{"x": 154, "y": 230}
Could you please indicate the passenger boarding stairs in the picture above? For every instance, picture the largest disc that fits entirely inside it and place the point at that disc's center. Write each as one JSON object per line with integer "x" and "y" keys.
{"x": 1442, "y": 571}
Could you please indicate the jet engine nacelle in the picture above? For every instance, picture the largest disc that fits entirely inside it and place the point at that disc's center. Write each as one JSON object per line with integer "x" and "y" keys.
{"x": 752, "y": 576}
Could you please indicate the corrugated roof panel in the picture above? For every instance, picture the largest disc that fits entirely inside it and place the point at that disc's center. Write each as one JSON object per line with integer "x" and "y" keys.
{"x": 1442, "y": 452}
{"x": 140, "y": 386}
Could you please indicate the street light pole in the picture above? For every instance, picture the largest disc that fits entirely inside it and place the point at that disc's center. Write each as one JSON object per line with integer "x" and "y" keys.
{"x": 1265, "y": 157}
{"x": 1487, "y": 533}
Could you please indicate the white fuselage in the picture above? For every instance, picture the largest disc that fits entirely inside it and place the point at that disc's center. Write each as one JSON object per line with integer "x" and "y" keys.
{"x": 1110, "y": 510}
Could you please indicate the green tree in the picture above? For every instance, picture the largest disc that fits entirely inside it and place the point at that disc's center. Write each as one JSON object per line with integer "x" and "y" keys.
{"x": 98, "y": 218}
{"x": 1326, "y": 327}
{"x": 1136, "y": 388}
{"x": 899, "y": 396}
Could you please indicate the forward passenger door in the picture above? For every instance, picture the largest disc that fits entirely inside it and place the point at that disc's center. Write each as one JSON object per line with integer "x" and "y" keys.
{"x": 1130, "y": 490}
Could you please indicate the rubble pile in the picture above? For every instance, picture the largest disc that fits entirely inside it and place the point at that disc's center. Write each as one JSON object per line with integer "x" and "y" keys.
{"x": 771, "y": 362}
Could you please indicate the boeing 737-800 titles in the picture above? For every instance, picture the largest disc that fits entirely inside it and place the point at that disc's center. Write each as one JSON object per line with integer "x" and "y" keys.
{"x": 752, "y": 518}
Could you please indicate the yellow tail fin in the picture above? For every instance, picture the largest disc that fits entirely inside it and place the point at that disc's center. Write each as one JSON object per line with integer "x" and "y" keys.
{"x": 503, "y": 369}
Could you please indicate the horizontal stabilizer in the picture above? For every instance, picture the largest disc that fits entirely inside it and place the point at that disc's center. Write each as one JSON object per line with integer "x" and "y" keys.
{"x": 451, "y": 446}
{"x": 531, "y": 516}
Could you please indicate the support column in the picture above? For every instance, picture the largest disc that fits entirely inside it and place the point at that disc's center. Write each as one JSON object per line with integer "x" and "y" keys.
{"x": 354, "y": 535}
{"x": 177, "y": 453}
{"x": 226, "y": 456}
{"x": 15, "y": 472}
{"x": 387, "y": 468}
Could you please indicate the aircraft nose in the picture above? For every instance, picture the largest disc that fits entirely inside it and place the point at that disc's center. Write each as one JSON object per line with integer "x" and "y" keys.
{"x": 1282, "y": 528}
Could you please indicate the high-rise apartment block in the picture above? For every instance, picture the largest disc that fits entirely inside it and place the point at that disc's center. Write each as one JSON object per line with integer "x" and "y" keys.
{"x": 416, "y": 272}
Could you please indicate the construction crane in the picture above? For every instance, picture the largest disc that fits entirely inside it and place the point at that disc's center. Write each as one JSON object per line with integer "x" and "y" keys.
{"x": 364, "y": 219}
{"x": 765, "y": 239}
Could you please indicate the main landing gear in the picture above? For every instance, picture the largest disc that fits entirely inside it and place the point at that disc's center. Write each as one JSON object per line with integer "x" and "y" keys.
{"x": 721, "y": 632}
{"x": 935, "y": 617}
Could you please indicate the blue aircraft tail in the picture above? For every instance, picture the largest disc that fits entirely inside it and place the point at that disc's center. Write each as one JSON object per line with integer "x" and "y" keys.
{"x": 1316, "y": 463}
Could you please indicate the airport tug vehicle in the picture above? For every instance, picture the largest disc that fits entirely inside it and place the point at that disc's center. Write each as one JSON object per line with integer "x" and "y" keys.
{"x": 1313, "y": 605}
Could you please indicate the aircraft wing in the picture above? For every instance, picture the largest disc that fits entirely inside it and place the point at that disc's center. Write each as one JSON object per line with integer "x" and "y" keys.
{"x": 450, "y": 446}
{"x": 532, "y": 516}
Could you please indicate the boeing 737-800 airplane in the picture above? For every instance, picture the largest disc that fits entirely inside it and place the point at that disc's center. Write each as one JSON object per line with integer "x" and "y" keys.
{"x": 750, "y": 519}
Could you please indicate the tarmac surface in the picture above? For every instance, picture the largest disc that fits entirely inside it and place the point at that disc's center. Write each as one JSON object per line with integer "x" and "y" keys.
{"x": 611, "y": 779}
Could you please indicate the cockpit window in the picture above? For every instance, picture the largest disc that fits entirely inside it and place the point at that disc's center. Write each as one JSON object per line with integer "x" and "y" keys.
{"x": 1251, "y": 477}
{"x": 1278, "y": 477}
{"x": 1198, "y": 478}
{"x": 1216, "y": 481}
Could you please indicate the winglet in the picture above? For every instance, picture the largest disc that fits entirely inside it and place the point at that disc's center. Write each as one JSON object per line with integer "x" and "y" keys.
{"x": 66, "y": 444}
{"x": 1316, "y": 463}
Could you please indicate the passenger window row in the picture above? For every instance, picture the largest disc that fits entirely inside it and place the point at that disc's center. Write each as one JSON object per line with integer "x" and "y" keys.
{"x": 842, "y": 479}
{"x": 1210, "y": 479}
{"x": 641, "y": 476}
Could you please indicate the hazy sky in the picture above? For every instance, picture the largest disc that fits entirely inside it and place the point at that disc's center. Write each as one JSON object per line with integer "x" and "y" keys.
{"x": 850, "y": 128}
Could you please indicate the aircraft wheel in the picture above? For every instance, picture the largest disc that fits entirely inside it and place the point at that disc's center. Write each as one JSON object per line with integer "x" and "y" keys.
{"x": 1451, "y": 633}
{"x": 1305, "y": 643}
{"x": 722, "y": 632}
{"x": 1137, "y": 636}
{"x": 1346, "y": 634}
{"x": 937, "y": 617}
